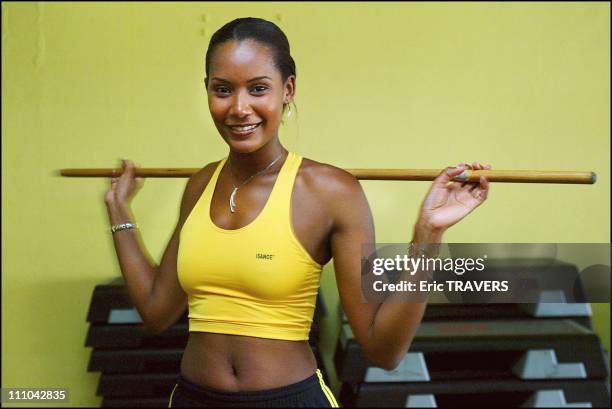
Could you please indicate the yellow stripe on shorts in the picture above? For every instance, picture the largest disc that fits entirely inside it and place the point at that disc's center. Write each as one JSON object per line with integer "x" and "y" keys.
{"x": 172, "y": 394}
{"x": 328, "y": 393}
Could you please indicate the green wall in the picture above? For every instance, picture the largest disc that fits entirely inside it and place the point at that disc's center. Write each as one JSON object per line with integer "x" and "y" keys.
{"x": 397, "y": 85}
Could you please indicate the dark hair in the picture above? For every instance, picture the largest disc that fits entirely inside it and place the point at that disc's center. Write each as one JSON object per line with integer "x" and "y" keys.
{"x": 260, "y": 30}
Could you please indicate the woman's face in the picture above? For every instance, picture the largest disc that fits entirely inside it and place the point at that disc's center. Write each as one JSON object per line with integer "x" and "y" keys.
{"x": 246, "y": 94}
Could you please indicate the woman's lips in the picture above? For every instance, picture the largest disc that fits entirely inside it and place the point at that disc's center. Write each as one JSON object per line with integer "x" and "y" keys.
{"x": 243, "y": 130}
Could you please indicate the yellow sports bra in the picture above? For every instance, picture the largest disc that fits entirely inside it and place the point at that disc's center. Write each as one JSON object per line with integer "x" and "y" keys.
{"x": 257, "y": 280}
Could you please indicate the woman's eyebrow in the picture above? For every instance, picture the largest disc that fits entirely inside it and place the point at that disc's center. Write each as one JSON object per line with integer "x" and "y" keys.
{"x": 251, "y": 80}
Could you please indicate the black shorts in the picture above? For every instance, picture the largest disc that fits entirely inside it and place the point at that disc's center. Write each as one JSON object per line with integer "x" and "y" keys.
{"x": 309, "y": 393}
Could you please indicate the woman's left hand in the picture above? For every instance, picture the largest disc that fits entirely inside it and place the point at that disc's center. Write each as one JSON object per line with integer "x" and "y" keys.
{"x": 448, "y": 202}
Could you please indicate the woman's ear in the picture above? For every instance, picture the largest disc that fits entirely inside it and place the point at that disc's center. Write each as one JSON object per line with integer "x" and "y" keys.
{"x": 289, "y": 89}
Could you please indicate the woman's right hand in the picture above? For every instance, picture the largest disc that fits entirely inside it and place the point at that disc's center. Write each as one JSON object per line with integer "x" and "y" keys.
{"x": 124, "y": 187}
{"x": 449, "y": 201}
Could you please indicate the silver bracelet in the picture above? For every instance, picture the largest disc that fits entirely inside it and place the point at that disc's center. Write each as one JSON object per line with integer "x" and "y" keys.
{"x": 123, "y": 226}
{"x": 429, "y": 250}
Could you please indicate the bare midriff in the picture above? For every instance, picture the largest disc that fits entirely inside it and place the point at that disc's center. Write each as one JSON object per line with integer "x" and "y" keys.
{"x": 237, "y": 363}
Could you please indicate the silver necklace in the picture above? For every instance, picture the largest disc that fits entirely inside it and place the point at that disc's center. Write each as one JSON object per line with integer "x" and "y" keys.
{"x": 232, "y": 199}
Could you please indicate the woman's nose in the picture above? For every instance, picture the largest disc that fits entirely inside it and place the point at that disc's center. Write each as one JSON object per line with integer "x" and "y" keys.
{"x": 240, "y": 105}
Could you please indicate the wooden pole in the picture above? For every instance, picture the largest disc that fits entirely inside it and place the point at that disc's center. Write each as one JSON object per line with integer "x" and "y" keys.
{"x": 504, "y": 176}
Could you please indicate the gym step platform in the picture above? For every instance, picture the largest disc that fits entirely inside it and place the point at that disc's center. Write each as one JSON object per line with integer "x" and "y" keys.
{"x": 101, "y": 336}
{"x": 145, "y": 385}
{"x": 493, "y": 393}
{"x": 519, "y": 349}
{"x": 469, "y": 354}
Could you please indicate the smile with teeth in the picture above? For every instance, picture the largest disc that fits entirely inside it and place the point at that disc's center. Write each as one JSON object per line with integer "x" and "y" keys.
{"x": 245, "y": 128}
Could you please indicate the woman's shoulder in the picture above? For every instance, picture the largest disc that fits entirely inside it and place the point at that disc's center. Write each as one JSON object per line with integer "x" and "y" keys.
{"x": 199, "y": 180}
{"x": 327, "y": 178}
{"x": 204, "y": 174}
{"x": 334, "y": 189}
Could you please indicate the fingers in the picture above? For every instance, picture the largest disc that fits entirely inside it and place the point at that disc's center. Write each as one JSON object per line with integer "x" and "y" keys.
{"x": 123, "y": 168}
{"x": 480, "y": 189}
{"x": 459, "y": 169}
{"x": 445, "y": 178}
{"x": 484, "y": 183}
{"x": 129, "y": 168}
{"x": 463, "y": 184}
{"x": 479, "y": 166}
{"x": 479, "y": 192}
{"x": 129, "y": 172}
{"x": 139, "y": 179}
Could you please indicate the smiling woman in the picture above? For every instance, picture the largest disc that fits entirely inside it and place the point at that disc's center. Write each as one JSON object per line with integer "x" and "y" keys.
{"x": 254, "y": 232}
{"x": 250, "y": 80}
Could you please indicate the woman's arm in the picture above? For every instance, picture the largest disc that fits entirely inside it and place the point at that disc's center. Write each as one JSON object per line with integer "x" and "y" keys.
{"x": 154, "y": 290}
{"x": 385, "y": 330}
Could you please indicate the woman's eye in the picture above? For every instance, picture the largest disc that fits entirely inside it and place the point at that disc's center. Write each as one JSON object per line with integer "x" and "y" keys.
{"x": 221, "y": 90}
{"x": 259, "y": 88}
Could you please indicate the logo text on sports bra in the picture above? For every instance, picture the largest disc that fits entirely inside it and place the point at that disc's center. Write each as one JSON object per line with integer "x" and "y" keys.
{"x": 264, "y": 256}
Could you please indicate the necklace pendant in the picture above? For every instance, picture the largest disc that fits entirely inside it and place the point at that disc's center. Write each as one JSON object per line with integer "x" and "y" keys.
{"x": 232, "y": 201}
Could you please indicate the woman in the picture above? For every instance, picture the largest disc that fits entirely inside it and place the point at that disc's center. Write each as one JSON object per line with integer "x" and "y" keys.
{"x": 253, "y": 233}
